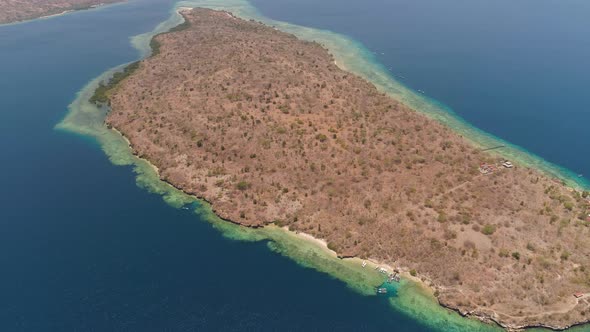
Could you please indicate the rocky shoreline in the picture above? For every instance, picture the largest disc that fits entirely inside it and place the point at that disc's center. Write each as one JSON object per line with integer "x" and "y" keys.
{"x": 486, "y": 318}
{"x": 175, "y": 174}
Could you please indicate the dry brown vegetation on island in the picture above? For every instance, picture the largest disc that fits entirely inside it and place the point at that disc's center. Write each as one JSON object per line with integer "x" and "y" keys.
{"x": 269, "y": 130}
{"x": 22, "y": 10}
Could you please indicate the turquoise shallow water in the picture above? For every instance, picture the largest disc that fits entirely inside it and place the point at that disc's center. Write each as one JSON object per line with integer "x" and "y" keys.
{"x": 84, "y": 248}
{"x": 89, "y": 248}
{"x": 517, "y": 70}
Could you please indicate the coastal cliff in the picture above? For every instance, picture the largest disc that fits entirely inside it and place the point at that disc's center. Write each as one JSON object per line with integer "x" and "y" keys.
{"x": 269, "y": 130}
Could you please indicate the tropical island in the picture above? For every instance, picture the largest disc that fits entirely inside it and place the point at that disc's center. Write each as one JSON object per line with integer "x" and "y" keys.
{"x": 19, "y": 10}
{"x": 269, "y": 130}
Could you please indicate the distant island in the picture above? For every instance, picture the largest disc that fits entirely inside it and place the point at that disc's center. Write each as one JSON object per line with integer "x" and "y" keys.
{"x": 269, "y": 130}
{"x": 23, "y": 10}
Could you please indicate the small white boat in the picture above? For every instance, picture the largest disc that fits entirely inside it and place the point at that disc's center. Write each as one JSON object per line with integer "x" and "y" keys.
{"x": 364, "y": 263}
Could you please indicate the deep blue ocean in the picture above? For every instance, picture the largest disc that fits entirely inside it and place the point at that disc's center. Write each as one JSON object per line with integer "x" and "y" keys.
{"x": 517, "y": 69}
{"x": 82, "y": 248}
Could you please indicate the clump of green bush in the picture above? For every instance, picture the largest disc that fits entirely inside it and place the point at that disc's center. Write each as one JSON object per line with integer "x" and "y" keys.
{"x": 243, "y": 185}
{"x": 488, "y": 229}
